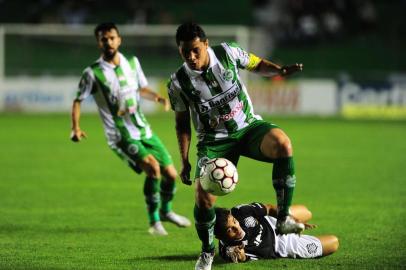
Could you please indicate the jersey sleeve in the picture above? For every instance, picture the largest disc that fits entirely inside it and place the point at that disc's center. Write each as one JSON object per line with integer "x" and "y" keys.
{"x": 178, "y": 101}
{"x": 86, "y": 85}
{"x": 143, "y": 82}
{"x": 244, "y": 60}
{"x": 245, "y": 210}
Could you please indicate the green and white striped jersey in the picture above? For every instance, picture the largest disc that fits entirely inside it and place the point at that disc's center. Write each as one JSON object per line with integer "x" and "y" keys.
{"x": 217, "y": 98}
{"x": 116, "y": 92}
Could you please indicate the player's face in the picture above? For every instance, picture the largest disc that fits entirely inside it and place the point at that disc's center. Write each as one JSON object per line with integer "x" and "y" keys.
{"x": 233, "y": 229}
{"x": 109, "y": 42}
{"x": 195, "y": 54}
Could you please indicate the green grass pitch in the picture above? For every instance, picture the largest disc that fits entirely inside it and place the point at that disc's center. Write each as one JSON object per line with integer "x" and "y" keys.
{"x": 77, "y": 206}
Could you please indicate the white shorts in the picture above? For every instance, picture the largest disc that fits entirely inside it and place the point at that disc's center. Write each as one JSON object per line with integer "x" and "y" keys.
{"x": 296, "y": 246}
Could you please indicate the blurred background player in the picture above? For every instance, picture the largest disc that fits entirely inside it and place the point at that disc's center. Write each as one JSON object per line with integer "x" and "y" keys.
{"x": 208, "y": 88}
{"x": 117, "y": 82}
{"x": 247, "y": 232}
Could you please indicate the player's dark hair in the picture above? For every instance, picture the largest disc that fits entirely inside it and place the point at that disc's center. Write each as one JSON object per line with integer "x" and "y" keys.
{"x": 222, "y": 215}
{"x": 189, "y": 31}
{"x": 105, "y": 27}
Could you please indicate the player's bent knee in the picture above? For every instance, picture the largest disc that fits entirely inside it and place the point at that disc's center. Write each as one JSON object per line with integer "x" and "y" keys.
{"x": 151, "y": 167}
{"x": 330, "y": 244}
{"x": 276, "y": 144}
{"x": 336, "y": 243}
{"x": 301, "y": 212}
{"x": 170, "y": 173}
{"x": 286, "y": 148}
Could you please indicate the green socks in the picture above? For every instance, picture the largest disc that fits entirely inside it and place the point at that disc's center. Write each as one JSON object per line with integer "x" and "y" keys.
{"x": 151, "y": 192}
{"x": 156, "y": 193}
{"x": 167, "y": 192}
{"x": 284, "y": 180}
{"x": 205, "y": 220}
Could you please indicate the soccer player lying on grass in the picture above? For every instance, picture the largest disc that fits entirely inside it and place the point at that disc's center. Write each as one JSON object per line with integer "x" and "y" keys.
{"x": 247, "y": 232}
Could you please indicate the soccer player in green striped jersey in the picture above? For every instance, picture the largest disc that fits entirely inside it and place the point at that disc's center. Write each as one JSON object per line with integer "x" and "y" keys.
{"x": 117, "y": 82}
{"x": 208, "y": 90}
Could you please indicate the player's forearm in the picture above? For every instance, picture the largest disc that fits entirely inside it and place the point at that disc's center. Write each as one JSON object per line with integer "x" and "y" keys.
{"x": 75, "y": 115}
{"x": 147, "y": 93}
{"x": 268, "y": 68}
{"x": 184, "y": 145}
{"x": 184, "y": 138}
{"x": 184, "y": 134}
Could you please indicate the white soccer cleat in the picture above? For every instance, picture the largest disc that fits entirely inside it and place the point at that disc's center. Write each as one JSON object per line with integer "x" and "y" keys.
{"x": 157, "y": 229}
{"x": 205, "y": 261}
{"x": 176, "y": 219}
{"x": 289, "y": 225}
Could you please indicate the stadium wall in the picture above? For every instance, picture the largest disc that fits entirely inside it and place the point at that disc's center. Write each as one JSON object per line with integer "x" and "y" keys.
{"x": 51, "y": 94}
{"x": 48, "y": 94}
{"x": 322, "y": 97}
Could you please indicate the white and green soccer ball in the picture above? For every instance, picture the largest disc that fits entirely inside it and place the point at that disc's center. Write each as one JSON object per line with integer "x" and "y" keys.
{"x": 219, "y": 176}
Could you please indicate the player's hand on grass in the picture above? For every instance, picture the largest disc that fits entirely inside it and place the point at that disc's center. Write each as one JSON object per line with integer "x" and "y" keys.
{"x": 77, "y": 135}
{"x": 290, "y": 69}
{"x": 185, "y": 173}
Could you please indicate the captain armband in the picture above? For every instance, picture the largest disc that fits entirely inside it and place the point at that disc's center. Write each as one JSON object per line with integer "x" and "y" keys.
{"x": 253, "y": 62}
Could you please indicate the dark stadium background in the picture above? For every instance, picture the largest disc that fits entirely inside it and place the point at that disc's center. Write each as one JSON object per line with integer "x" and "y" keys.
{"x": 363, "y": 38}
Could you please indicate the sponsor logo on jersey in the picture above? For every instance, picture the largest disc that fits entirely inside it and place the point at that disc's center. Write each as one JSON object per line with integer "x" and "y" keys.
{"x": 220, "y": 99}
{"x": 215, "y": 121}
{"x": 234, "y": 111}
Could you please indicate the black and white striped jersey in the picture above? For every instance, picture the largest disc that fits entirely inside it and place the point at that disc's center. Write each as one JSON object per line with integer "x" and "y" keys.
{"x": 259, "y": 239}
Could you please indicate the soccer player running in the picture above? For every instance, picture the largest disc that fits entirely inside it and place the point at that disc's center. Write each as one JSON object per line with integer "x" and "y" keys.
{"x": 117, "y": 82}
{"x": 247, "y": 232}
{"x": 208, "y": 89}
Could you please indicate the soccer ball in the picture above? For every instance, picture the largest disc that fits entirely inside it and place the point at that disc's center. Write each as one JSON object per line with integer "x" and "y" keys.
{"x": 218, "y": 176}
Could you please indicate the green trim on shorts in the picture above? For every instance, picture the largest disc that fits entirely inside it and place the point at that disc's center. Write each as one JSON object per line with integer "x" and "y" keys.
{"x": 245, "y": 142}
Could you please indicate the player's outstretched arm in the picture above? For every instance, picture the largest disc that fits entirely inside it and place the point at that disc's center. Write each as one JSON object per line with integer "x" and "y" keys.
{"x": 184, "y": 134}
{"x": 147, "y": 93}
{"x": 76, "y": 134}
{"x": 268, "y": 69}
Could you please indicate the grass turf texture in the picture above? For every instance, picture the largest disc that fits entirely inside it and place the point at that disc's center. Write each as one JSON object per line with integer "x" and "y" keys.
{"x": 77, "y": 206}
